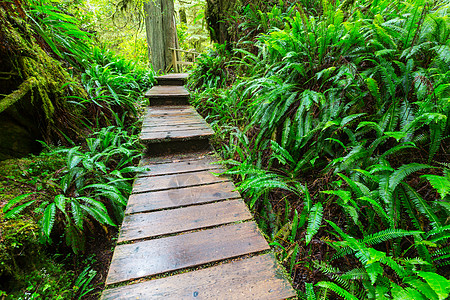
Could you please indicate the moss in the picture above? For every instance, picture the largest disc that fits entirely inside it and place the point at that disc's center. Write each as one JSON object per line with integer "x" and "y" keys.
{"x": 26, "y": 268}
{"x": 18, "y": 245}
{"x": 45, "y": 82}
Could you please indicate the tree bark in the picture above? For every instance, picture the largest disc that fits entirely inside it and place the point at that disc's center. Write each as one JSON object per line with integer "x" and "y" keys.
{"x": 161, "y": 32}
{"x": 218, "y": 13}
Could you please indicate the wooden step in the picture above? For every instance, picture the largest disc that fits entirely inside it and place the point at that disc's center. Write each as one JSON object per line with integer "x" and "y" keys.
{"x": 166, "y": 124}
{"x": 146, "y": 225}
{"x": 146, "y": 258}
{"x": 168, "y": 95}
{"x": 172, "y": 79}
{"x": 178, "y": 167}
{"x": 165, "y": 199}
{"x": 179, "y": 157}
{"x": 167, "y": 129}
{"x": 175, "y": 181}
{"x": 258, "y": 277}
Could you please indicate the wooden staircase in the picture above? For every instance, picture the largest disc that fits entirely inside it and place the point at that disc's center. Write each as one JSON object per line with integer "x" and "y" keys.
{"x": 186, "y": 233}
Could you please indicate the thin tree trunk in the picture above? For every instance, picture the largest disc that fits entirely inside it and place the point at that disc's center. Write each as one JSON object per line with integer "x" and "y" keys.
{"x": 161, "y": 32}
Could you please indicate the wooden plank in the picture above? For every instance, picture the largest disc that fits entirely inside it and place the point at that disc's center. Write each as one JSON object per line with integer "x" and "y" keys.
{"x": 258, "y": 277}
{"x": 157, "y": 183}
{"x": 172, "y": 79}
{"x": 168, "y": 120}
{"x": 139, "y": 226}
{"x": 177, "y": 122}
{"x": 158, "y": 111}
{"x": 175, "y": 128}
{"x": 176, "y": 157}
{"x": 202, "y": 164}
{"x": 132, "y": 261}
{"x": 172, "y": 117}
{"x": 177, "y": 134}
{"x": 154, "y": 127}
{"x": 181, "y": 197}
{"x": 173, "y": 76}
{"x": 159, "y": 91}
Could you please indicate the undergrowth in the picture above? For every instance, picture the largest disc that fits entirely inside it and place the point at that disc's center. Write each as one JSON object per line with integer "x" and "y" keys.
{"x": 335, "y": 125}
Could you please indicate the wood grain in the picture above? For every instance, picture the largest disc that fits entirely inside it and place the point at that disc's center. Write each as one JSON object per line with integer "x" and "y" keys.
{"x": 167, "y": 91}
{"x": 178, "y": 134}
{"x": 258, "y": 277}
{"x": 157, "y": 183}
{"x": 138, "y": 226}
{"x": 181, "y": 197}
{"x": 201, "y": 164}
{"x": 168, "y": 158}
{"x": 157, "y": 256}
{"x": 174, "y": 127}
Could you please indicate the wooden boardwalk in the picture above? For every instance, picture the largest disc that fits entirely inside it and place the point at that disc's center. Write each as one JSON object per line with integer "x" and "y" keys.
{"x": 186, "y": 233}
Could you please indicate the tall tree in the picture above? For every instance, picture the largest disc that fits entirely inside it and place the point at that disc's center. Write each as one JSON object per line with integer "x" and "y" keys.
{"x": 161, "y": 32}
{"x": 218, "y": 13}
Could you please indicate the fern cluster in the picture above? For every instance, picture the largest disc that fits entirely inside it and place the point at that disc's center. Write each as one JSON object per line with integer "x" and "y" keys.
{"x": 341, "y": 142}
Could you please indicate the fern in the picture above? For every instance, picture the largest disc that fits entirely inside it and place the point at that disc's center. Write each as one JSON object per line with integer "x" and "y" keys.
{"x": 337, "y": 289}
{"x": 48, "y": 219}
{"x": 13, "y": 212}
{"x": 421, "y": 204}
{"x": 386, "y": 235}
{"x": 440, "y": 183}
{"x": 401, "y": 173}
{"x": 314, "y": 221}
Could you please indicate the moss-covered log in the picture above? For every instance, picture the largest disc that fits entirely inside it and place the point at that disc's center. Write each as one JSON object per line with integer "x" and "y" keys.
{"x": 23, "y": 89}
{"x": 38, "y": 86}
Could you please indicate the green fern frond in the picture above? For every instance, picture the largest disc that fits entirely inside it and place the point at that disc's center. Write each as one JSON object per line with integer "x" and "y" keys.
{"x": 310, "y": 295}
{"x": 48, "y": 219}
{"x": 439, "y": 284}
{"x": 421, "y": 286}
{"x": 386, "y": 235}
{"x": 314, "y": 221}
{"x": 440, "y": 183}
{"x": 401, "y": 173}
{"x": 356, "y": 274}
{"x": 421, "y": 205}
{"x": 77, "y": 213}
{"x": 337, "y": 289}
{"x": 332, "y": 272}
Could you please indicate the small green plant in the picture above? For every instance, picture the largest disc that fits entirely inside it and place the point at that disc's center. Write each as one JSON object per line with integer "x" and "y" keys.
{"x": 88, "y": 178}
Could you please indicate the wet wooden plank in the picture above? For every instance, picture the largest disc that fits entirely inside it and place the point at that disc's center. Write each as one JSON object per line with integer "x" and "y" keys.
{"x": 176, "y": 134}
{"x": 159, "y": 91}
{"x": 139, "y": 226}
{"x": 177, "y": 127}
{"x": 154, "y": 127}
{"x": 258, "y": 277}
{"x": 173, "y": 76}
{"x": 153, "y": 123}
{"x": 181, "y": 197}
{"x": 173, "y": 120}
{"x": 132, "y": 261}
{"x": 176, "y": 157}
{"x": 174, "y": 116}
{"x": 157, "y": 183}
{"x": 201, "y": 164}
{"x": 160, "y": 113}
{"x": 172, "y": 79}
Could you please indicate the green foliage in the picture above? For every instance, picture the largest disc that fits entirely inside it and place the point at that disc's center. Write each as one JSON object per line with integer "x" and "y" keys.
{"x": 351, "y": 100}
{"x": 87, "y": 179}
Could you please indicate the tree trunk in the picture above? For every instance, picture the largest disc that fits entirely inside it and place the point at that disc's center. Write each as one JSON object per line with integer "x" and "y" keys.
{"x": 161, "y": 32}
{"x": 218, "y": 13}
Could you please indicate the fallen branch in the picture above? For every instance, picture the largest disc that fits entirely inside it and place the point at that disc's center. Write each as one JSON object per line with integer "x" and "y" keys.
{"x": 21, "y": 91}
